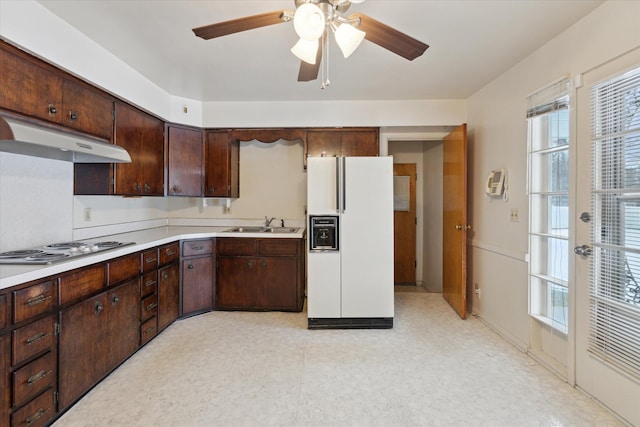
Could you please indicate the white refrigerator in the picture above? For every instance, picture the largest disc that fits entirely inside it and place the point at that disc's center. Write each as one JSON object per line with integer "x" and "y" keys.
{"x": 351, "y": 287}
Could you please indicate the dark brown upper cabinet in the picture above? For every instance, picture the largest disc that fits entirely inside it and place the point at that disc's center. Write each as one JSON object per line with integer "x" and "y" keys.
{"x": 142, "y": 135}
{"x": 37, "y": 89}
{"x": 222, "y": 164}
{"x": 185, "y": 161}
{"x": 343, "y": 142}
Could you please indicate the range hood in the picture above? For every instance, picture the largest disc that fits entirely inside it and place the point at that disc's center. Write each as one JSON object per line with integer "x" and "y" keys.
{"x": 20, "y": 137}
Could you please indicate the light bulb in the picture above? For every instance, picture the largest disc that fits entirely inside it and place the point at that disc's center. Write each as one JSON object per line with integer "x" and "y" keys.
{"x": 309, "y": 21}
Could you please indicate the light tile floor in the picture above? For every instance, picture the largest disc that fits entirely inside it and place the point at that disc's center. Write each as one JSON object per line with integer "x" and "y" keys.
{"x": 267, "y": 369}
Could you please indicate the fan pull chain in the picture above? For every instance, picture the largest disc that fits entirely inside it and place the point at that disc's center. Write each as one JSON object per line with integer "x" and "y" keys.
{"x": 325, "y": 71}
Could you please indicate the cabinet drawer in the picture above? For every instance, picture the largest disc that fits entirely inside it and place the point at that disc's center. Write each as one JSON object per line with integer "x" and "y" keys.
{"x": 34, "y": 300}
{"x": 169, "y": 253}
{"x": 197, "y": 247}
{"x": 36, "y": 413}
{"x": 3, "y": 311}
{"x": 149, "y": 284}
{"x": 149, "y": 260}
{"x": 33, "y": 339}
{"x": 237, "y": 246}
{"x": 31, "y": 379}
{"x": 148, "y": 330}
{"x": 82, "y": 283}
{"x": 124, "y": 268}
{"x": 278, "y": 247}
{"x": 149, "y": 307}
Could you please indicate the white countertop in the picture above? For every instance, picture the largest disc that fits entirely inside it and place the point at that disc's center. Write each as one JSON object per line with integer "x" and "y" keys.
{"x": 11, "y": 275}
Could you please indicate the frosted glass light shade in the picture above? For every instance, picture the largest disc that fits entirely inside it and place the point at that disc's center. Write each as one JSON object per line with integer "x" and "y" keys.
{"x": 306, "y": 50}
{"x": 348, "y": 38}
{"x": 308, "y": 21}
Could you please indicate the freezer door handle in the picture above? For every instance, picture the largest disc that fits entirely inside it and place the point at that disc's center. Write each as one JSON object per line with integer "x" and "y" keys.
{"x": 344, "y": 184}
{"x": 337, "y": 184}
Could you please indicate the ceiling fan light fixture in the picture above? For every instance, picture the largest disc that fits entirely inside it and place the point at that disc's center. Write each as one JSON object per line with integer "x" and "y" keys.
{"x": 348, "y": 38}
{"x": 306, "y": 50}
{"x": 309, "y": 21}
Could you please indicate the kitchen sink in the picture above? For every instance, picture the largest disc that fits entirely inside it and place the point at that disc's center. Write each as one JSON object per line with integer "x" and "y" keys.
{"x": 280, "y": 230}
{"x": 262, "y": 230}
{"x": 245, "y": 230}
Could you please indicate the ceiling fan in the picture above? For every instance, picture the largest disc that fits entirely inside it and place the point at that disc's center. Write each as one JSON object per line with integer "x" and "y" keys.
{"x": 311, "y": 21}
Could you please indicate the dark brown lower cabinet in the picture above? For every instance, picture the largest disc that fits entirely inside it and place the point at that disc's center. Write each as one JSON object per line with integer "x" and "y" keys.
{"x": 5, "y": 364}
{"x": 95, "y": 336}
{"x": 197, "y": 285}
{"x": 168, "y": 295}
{"x": 260, "y": 274}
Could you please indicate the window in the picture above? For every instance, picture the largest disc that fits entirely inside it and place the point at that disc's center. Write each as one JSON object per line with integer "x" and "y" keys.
{"x": 614, "y": 294}
{"x": 548, "y": 140}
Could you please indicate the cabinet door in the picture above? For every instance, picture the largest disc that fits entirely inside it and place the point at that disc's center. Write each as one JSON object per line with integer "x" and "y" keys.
{"x": 142, "y": 136}
{"x": 5, "y": 390}
{"x": 123, "y": 322}
{"x": 324, "y": 142}
{"x": 168, "y": 295}
{"x": 279, "y": 279}
{"x": 185, "y": 162}
{"x": 83, "y": 357}
{"x": 197, "y": 285}
{"x": 238, "y": 282}
{"x": 86, "y": 109}
{"x": 360, "y": 143}
{"x": 222, "y": 171}
{"x": 28, "y": 88}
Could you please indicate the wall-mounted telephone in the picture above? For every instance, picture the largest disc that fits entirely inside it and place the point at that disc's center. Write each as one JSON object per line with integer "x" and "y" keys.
{"x": 496, "y": 182}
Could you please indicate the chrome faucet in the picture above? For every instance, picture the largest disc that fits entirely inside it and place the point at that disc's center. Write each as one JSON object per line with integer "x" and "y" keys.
{"x": 267, "y": 221}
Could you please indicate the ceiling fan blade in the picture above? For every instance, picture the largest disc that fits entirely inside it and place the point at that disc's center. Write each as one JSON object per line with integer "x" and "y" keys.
{"x": 308, "y": 71}
{"x": 390, "y": 38}
{"x": 242, "y": 24}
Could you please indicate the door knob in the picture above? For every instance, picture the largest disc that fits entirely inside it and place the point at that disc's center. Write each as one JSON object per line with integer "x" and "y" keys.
{"x": 584, "y": 250}
{"x": 463, "y": 227}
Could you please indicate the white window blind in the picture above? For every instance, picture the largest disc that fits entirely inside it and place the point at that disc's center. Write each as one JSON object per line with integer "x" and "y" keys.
{"x": 548, "y": 139}
{"x": 615, "y": 269}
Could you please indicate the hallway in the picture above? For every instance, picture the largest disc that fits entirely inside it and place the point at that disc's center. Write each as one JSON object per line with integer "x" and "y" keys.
{"x": 257, "y": 369}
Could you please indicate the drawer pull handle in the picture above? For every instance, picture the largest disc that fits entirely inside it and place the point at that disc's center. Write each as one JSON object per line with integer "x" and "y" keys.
{"x": 149, "y": 330}
{"x": 35, "y": 417}
{"x": 37, "y": 377}
{"x": 151, "y": 306}
{"x": 149, "y": 283}
{"x": 36, "y": 337}
{"x": 197, "y": 248}
{"x": 150, "y": 260}
{"x": 38, "y": 300}
{"x": 171, "y": 252}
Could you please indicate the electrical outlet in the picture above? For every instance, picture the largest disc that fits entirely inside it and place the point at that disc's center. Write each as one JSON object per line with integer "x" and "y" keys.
{"x": 515, "y": 215}
{"x": 87, "y": 214}
{"x": 476, "y": 288}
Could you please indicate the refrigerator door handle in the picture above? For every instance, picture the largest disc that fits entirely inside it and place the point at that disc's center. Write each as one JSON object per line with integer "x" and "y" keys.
{"x": 344, "y": 184}
{"x": 337, "y": 184}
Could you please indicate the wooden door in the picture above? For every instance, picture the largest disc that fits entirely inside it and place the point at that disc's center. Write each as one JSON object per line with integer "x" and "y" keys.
{"x": 197, "y": 285}
{"x": 359, "y": 143}
{"x": 86, "y": 109}
{"x": 82, "y": 353}
{"x": 222, "y": 170}
{"x": 278, "y": 276}
{"x": 123, "y": 322}
{"x": 168, "y": 295}
{"x": 185, "y": 162}
{"x": 404, "y": 224}
{"x": 455, "y": 226}
{"x": 237, "y": 282}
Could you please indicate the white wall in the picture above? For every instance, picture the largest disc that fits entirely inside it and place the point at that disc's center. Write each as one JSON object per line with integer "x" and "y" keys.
{"x": 498, "y": 138}
{"x": 433, "y": 215}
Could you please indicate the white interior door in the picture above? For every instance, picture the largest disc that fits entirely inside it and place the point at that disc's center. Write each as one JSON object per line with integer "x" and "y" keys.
{"x": 608, "y": 190}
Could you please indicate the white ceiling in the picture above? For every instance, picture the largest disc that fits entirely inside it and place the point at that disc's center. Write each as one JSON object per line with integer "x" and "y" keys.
{"x": 471, "y": 43}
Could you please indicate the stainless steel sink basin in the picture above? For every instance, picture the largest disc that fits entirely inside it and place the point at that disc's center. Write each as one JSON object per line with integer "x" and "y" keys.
{"x": 280, "y": 230}
{"x": 245, "y": 230}
{"x": 262, "y": 230}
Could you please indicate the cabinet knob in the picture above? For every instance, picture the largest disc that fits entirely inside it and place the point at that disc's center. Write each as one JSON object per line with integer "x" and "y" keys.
{"x": 136, "y": 186}
{"x": 190, "y": 266}
{"x": 52, "y": 109}
{"x": 250, "y": 264}
{"x": 98, "y": 308}
{"x": 176, "y": 189}
{"x": 73, "y": 116}
{"x": 115, "y": 299}
{"x": 164, "y": 275}
{"x": 147, "y": 188}
{"x": 264, "y": 263}
{"x": 212, "y": 189}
